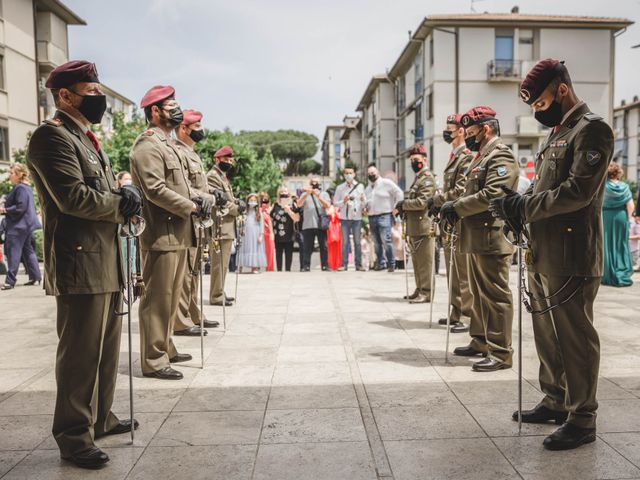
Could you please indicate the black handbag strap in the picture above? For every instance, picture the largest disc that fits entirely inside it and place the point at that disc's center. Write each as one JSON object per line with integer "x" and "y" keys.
{"x": 315, "y": 205}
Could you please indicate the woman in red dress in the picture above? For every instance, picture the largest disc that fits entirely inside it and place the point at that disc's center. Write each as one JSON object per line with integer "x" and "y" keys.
{"x": 334, "y": 239}
{"x": 269, "y": 243}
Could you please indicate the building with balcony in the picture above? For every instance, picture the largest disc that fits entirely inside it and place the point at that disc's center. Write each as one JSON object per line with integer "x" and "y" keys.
{"x": 34, "y": 41}
{"x": 332, "y": 150}
{"x": 626, "y": 128}
{"x": 352, "y": 142}
{"x": 378, "y": 125}
{"x": 454, "y": 62}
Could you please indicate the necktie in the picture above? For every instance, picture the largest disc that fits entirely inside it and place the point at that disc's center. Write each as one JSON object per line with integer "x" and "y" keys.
{"x": 450, "y": 156}
{"x": 555, "y": 129}
{"x": 94, "y": 140}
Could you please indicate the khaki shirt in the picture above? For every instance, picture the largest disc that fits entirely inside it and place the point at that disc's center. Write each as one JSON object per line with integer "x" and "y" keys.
{"x": 415, "y": 204}
{"x": 195, "y": 170}
{"x": 80, "y": 212}
{"x": 218, "y": 180}
{"x": 156, "y": 167}
{"x": 565, "y": 208}
{"x": 480, "y": 232}
{"x": 454, "y": 178}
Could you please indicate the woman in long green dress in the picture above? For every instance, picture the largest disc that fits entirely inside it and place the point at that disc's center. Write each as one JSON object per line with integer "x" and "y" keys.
{"x": 617, "y": 209}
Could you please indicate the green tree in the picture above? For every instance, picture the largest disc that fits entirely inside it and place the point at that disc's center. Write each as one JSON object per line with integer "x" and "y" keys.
{"x": 309, "y": 166}
{"x": 118, "y": 145}
{"x": 287, "y": 146}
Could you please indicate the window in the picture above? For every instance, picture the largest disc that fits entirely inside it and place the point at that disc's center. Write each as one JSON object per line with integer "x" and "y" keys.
{"x": 504, "y": 48}
{"x": 1, "y": 70}
{"x": 430, "y": 106}
{"x": 417, "y": 74}
{"x": 401, "y": 94}
{"x": 525, "y": 47}
{"x": 337, "y": 150}
{"x": 418, "y": 130}
{"x": 401, "y": 142}
{"x": 4, "y": 144}
{"x": 431, "y": 50}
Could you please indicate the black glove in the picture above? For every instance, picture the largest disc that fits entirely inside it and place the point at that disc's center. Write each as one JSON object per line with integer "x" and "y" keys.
{"x": 221, "y": 197}
{"x": 448, "y": 213}
{"x": 131, "y": 201}
{"x": 399, "y": 207}
{"x": 509, "y": 208}
{"x": 242, "y": 206}
{"x": 432, "y": 210}
{"x": 204, "y": 207}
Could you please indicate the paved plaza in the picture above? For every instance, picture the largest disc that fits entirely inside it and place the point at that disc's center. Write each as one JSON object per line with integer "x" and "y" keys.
{"x": 321, "y": 376}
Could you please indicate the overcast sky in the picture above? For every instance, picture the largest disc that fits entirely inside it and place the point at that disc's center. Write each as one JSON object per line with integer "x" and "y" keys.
{"x": 270, "y": 64}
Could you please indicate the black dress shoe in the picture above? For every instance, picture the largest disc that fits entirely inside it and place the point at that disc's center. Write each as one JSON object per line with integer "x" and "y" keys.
{"x": 360, "y": 269}
{"x": 325, "y": 269}
{"x": 166, "y": 373}
{"x": 412, "y": 296}
{"x": 211, "y": 323}
{"x": 92, "y": 457}
{"x": 541, "y": 414}
{"x": 391, "y": 269}
{"x": 31, "y": 282}
{"x": 459, "y": 327}
{"x": 6, "y": 286}
{"x": 181, "y": 357}
{"x": 230, "y": 299}
{"x": 489, "y": 365}
{"x": 420, "y": 298}
{"x": 190, "y": 332}
{"x": 568, "y": 437}
{"x": 467, "y": 351}
{"x": 377, "y": 268}
{"x": 305, "y": 269}
{"x": 123, "y": 427}
{"x": 219, "y": 304}
{"x": 442, "y": 321}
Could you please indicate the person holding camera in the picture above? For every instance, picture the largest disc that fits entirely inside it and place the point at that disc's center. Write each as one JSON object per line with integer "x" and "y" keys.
{"x": 315, "y": 222}
{"x": 284, "y": 216}
{"x": 349, "y": 198}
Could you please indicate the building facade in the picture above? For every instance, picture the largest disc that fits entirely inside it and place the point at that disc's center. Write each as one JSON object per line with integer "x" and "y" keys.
{"x": 352, "y": 142}
{"x": 332, "y": 150}
{"x": 626, "y": 126}
{"x": 455, "y": 62}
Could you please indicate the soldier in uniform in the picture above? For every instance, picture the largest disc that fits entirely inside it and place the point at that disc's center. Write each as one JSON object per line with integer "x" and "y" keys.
{"x": 156, "y": 167}
{"x": 421, "y": 238}
{"x": 81, "y": 213}
{"x": 563, "y": 208}
{"x": 190, "y": 318}
{"x": 482, "y": 239}
{"x": 453, "y": 186}
{"x": 217, "y": 179}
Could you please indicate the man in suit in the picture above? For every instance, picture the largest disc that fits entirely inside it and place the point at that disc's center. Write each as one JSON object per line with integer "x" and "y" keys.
{"x": 81, "y": 212}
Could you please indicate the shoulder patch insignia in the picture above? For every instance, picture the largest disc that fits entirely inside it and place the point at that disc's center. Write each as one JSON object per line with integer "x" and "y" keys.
{"x": 466, "y": 151}
{"x": 148, "y": 133}
{"x": 56, "y": 122}
{"x": 593, "y": 157}
{"x": 501, "y": 171}
{"x": 592, "y": 116}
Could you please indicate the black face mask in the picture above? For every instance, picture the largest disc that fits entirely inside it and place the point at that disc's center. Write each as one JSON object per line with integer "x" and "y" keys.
{"x": 417, "y": 166}
{"x": 196, "y": 135}
{"x": 92, "y": 107}
{"x": 447, "y": 135}
{"x": 372, "y": 178}
{"x": 224, "y": 166}
{"x": 473, "y": 143}
{"x": 175, "y": 116}
{"x": 550, "y": 117}
{"x": 284, "y": 197}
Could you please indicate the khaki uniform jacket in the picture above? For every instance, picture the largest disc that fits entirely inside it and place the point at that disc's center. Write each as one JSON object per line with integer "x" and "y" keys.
{"x": 565, "y": 208}
{"x": 454, "y": 178}
{"x": 415, "y": 204}
{"x": 480, "y": 232}
{"x": 195, "y": 170}
{"x": 157, "y": 169}
{"x": 217, "y": 179}
{"x": 80, "y": 211}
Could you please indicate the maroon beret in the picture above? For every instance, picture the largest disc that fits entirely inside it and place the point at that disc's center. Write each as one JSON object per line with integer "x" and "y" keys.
{"x": 539, "y": 77}
{"x": 477, "y": 115}
{"x": 71, "y": 73}
{"x": 225, "y": 151}
{"x": 455, "y": 119}
{"x": 191, "y": 117}
{"x": 418, "y": 149}
{"x": 156, "y": 95}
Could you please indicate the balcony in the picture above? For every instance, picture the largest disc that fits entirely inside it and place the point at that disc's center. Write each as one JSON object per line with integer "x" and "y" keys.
{"x": 504, "y": 70}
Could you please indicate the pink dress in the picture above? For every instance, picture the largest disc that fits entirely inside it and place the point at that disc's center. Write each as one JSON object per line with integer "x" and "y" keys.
{"x": 269, "y": 244}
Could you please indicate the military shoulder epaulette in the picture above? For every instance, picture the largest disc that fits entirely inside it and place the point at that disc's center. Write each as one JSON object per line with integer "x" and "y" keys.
{"x": 590, "y": 117}
{"x": 466, "y": 151}
{"x": 502, "y": 146}
{"x": 148, "y": 133}
{"x": 56, "y": 122}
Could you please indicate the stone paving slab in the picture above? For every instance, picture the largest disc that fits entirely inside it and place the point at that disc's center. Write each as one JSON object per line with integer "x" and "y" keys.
{"x": 322, "y": 376}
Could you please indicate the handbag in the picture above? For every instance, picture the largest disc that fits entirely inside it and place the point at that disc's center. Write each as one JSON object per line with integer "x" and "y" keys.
{"x": 323, "y": 219}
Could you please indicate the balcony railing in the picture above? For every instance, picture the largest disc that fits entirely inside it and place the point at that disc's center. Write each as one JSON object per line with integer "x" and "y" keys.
{"x": 504, "y": 70}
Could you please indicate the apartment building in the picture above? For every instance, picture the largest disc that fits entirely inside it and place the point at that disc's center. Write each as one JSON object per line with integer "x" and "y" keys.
{"x": 332, "y": 150}
{"x": 454, "y": 62}
{"x": 352, "y": 142}
{"x": 626, "y": 126}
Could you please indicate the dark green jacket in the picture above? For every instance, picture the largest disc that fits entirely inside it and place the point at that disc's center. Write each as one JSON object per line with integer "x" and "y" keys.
{"x": 480, "y": 232}
{"x": 565, "y": 208}
{"x": 415, "y": 204}
{"x": 454, "y": 177}
{"x": 79, "y": 210}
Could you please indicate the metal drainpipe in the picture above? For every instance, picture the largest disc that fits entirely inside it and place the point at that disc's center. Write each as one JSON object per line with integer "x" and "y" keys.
{"x": 35, "y": 45}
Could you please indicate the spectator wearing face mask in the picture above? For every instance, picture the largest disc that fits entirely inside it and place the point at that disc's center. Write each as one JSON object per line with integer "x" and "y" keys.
{"x": 314, "y": 204}
{"x": 382, "y": 195}
{"x": 284, "y": 216}
{"x": 251, "y": 253}
{"x": 350, "y": 199}
{"x": 269, "y": 248}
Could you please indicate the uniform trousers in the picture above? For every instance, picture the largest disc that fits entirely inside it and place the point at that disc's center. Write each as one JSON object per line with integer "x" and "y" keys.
{"x": 492, "y": 313}
{"x": 422, "y": 252}
{"x": 188, "y": 308}
{"x": 568, "y": 346}
{"x": 219, "y": 261}
{"x": 86, "y": 368}
{"x": 460, "y": 296}
{"x": 163, "y": 274}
